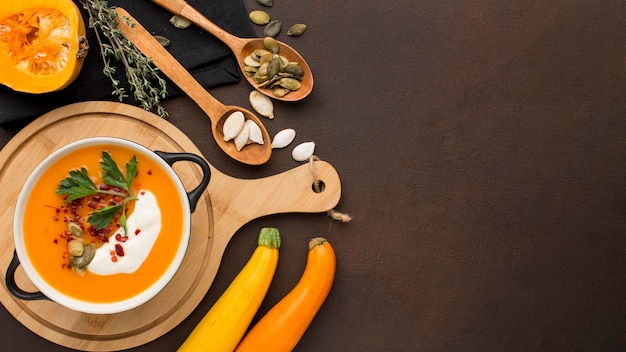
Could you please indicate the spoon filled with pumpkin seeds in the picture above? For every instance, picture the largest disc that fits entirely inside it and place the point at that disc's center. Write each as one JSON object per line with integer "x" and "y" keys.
{"x": 270, "y": 66}
{"x": 237, "y": 131}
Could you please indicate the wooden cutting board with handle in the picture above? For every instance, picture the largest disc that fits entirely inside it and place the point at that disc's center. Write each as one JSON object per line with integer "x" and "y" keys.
{"x": 228, "y": 204}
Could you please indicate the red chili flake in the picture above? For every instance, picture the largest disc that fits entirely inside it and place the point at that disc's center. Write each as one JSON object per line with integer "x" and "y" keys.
{"x": 137, "y": 232}
{"x": 149, "y": 172}
{"x": 55, "y": 218}
{"x": 121, "y": 238}
{"x": 114, "y": 259}
{"x": 143, "y": 193}
{"x": 119, "y": 250}
{"x": 55, "y": 241}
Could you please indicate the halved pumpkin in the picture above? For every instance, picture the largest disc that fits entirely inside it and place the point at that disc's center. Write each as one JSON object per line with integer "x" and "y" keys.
{"x": 42, "y": 44}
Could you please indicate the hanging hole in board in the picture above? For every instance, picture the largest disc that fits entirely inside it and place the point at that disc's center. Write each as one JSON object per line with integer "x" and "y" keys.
{"x": 318, "y": 186}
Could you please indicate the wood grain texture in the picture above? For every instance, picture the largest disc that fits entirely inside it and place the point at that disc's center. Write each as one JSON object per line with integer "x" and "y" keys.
{"x": 228, "y": 204}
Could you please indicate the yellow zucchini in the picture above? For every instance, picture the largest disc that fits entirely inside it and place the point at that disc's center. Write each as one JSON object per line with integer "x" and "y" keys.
{"x": 224, "y": 325}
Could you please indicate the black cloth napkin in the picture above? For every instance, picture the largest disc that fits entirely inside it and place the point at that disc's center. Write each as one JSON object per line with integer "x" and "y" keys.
{"x": 209, "y": 60}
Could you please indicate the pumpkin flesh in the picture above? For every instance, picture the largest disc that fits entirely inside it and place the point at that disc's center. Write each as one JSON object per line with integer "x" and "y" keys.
{"x": 42, "y": 45}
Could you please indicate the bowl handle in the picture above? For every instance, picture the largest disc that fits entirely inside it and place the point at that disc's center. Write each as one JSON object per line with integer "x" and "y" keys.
{"x": 196, "y": 193}
{"x": 12, "y": 285}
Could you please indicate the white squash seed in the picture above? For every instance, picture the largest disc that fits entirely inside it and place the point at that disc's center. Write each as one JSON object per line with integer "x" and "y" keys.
{"x": 303, "y": 151}
{"x": 262, "y": 104}
{"x": 233, "y": 125}
{"x": 255, "y": 136}
{"x": 242, "y": 138}
{"x": 283, "y": 138}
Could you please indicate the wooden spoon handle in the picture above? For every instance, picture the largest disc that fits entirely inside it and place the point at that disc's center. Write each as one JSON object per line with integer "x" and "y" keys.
{"x": 150, "y": 47}
{"x": 238, "y": 201}
{"x": 182, "y": 8}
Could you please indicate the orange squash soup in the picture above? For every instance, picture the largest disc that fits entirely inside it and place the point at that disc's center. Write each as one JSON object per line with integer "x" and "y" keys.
{"x": 47, "y": 215}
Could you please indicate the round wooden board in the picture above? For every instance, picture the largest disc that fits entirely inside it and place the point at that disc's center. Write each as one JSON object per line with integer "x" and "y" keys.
{"x": 178, "y": 299}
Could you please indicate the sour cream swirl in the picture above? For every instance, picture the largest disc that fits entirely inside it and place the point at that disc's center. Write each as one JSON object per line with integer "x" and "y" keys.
{"x": 144, "y": 226}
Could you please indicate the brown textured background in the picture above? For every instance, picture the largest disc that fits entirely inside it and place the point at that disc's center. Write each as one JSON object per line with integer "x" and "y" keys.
{"x": 482, "y": 151}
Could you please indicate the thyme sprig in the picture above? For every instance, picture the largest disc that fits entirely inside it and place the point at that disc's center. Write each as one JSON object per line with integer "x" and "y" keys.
{"x": 79, "y": 185}
{"x": 147, "y": 86}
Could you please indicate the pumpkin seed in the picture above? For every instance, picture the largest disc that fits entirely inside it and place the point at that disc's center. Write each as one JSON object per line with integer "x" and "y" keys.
{"x": 267, "y": 3}
{"x": 242, "y": 138}
{"x": 250, "y": 61}
{"x": 294, "y": 70}
{"x": 81, "y": 261}
{"x": 263, "y": 69}
{"x": 271, "y": 45}
{"x": 180, "y": 22}
{"x": 296, "y": 29}
{"x": 283, "y": 138}
{"x": 280, "y": 92}
{"x": 233, "y": 125}
{"x": 273, "y": 28}
{"x": 290, "y": 83}
{"x": 75, "y": 229}
{"x": 255, "y": 136}
{"x": 274, "y": 66}
{"x": 266, "y": 58}
{"x": 259, "y": 17}
{"x": 303, "y": 151}
{"x": 163, "y": 41}
{"x": 75, "y": 248}
{"x": 261, "y": 104}
{"x": 259, "y": 53}
{"x": 250, "y": 70}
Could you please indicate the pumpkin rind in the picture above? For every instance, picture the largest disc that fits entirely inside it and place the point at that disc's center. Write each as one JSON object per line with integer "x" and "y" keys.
{"x": 42, "y": 44}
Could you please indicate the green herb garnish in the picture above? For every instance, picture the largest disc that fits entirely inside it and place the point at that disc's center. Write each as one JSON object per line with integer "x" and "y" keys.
{"x": 143, "y": 77}
{"x": 79, "y": 185}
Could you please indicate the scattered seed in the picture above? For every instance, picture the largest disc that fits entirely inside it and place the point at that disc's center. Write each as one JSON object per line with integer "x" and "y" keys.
{"x": 273, "y": 28}
{"x": 259, "y": 17}
{"x": 233, "y": 125}
{"x": 180, "y": 22}
{"x": 296, "y": 29}
{"x": 261, "y": 104}
{"x": 303, "y": 151}
{"x": 163, "y": 41}
{"x": 267, "y": 3}
{"x": 283, "y": 138}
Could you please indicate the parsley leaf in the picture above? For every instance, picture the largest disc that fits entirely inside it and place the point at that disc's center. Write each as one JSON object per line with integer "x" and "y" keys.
{"x": 113, "y": 175}
{"x": 102, "y": 218}
{"x": 78, "y": 185}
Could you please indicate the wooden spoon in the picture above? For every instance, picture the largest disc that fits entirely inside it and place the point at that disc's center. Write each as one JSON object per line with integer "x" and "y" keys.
{"x": 242, "y": 47}
{"x": 253, "y": 154}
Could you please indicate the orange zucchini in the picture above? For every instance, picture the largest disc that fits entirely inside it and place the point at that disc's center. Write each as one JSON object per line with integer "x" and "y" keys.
{"x": 282, "y": 327}
{"x": 224, "y": 325}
